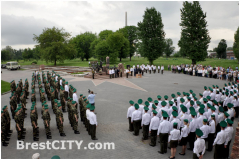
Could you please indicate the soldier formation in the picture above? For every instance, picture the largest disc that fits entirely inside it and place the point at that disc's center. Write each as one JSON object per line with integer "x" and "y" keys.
{"x": 51, "y": 86}
{"x": 187, "y": 119}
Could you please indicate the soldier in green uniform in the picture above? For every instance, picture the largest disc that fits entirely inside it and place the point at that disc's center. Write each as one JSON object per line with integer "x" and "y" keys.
{"x": 52, "y": 97}
{"x": 46, "y": 120}
{"x": 69, "y": 102}
{"x": 33, "y": 97}
{"x": 56, "y": 89}
{"x": 55, "y": 106}
{"x": 26, "y": 88}
{"x": 80, "y": 102}
{"x": 74, "y": 117}
{"x": 62, "y": 99}
{"x": 34, "y": 124}
{"x": 60, "y": 120}
{"x": 18, "y": 93}
{"x": 84, "y": 111}
{"x": 71, "y": 91}
{"x": 43, "y": 98}
{"x": 47, "y": 89}
{"x": 18, "y": 124}
{"x": 4, "y": 133}
{"x": 12, "y": 106}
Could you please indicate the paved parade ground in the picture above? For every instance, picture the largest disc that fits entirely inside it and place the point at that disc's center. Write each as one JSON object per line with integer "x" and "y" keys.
{"x": 112, "y": 102}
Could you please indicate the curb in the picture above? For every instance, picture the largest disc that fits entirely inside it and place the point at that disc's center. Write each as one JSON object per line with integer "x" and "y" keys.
{"x": 6, "y": 92}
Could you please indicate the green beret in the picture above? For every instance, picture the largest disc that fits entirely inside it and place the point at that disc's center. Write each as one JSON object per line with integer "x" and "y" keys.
{"x": 185, "y": 120}
{"x": 193, "y": 113}
{"x": 201, "y": 110}
{"x": 171, "y": 102}
{"x": 175, "y": 124}
{"x": 163, "y": 103}
{"x": 205, "y": 99}
{"x": 184, "y": 93}
{"x": 198, "y": 103}
{"x": 191, "y": 91}
{"x": 165, "y": 97}
{"x": 146, "y": 103}
{"x": 195, "y": 98}
{"x": 87, "y": 102}
{"x": 213, "y": 108}
{"x": 226, "y": 93}
{"x": 84, "y": 97}
{"x": 173, "y": 95}
{"x": 221, "y": 109}
{"x": 192, "y": 109}
{"x": 174, "y": 108}
{"x": 223, "y": 124}
{"x": 92, "y": 108}
{"x": 189, "y": 98}
{"x": 154, "y": 111}
{"x": 1, "y": 111}
{"x": 73, "y": 102}
{"x": 192, "y": 102}
{"x": 88, "y": 105}
{"x": 165, "y": 115}
{"x": 72, "y": 99}
{"x": 217, "y": 86}
{"x": 146, "y": 108}
{"x": 153, "y": 106}
{"x": 184, "y": 109}
{"x": 178, "y": 93}
{"x": 14, "y": 111}
{"x": 55, "y": 157}
{"x": 229, "y": 121}
{"x": 208, "y": 97}
{"x": 74, "y": 90}
{"x": 202, "y": 106}
{"x": 131, "y": 102}
{"x": 229, "y": 105}
{"x": 32, "y": 108}
{"x": 226, "y": 114}
{"x": 59, "y": 105}
{"x": 156, "y": 101}
{"x": 205, "y": 120}
{"x": 136, "y": 106}
{"x": 199, "y": 133}
{"x": 174, "y": 113}
{"x": 201, "y": 94}
{"x": 214, "y": 101}
{"x": 205, "y": 87}
{"x": 149, "y": 99}
{"x": 5, "y": 107}
{"x": 182, "y": 100}
{"x": 140, "y": 101}
{"x": 159, "y": 97}
{"x": 80, "y": 94}
{"x": 188, "y": 94}
{"x": 213, "y": 86}
{"x": 45, "y": 105}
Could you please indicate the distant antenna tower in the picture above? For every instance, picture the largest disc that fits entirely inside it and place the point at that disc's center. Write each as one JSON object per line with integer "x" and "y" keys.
{"x": 125, "y": 18}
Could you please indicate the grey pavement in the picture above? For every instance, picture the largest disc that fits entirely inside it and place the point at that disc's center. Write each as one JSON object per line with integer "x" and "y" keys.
{"x": 111, "y": 107}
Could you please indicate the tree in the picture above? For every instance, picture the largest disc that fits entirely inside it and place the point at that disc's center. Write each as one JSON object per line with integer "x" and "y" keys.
{"x": 130, "y": 32}
{"x": 93, "y": 46}
{"x": 5, "y": 55}
{"x": 236, "y": 44}
{"x": 169, "y": 49}
{"x": 102, "y": 50}
{"x": 151, "y": 34}
{"x": 82, "y": 44}
{"x": 229, "y": 48}
{"x": 36, "y": 52}
{"x": 195, "y": 38}
{"x": 221, "y": 49}
{"x": 104, "y": 34}
{"x": 118, "y": 45}
{"x": 54, "y": 44}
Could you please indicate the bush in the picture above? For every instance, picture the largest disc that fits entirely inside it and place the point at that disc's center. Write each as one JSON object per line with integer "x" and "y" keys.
{"x": 34, "y": 62}
{"x": 177, "y": 55}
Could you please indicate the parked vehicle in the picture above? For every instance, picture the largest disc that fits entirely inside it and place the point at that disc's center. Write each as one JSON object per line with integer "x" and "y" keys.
{"x": 12, "y": 65}
{"x": 3, "y": 66}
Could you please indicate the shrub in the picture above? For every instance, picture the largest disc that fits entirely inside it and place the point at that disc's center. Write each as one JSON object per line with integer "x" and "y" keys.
{"x": 34, "y": 62}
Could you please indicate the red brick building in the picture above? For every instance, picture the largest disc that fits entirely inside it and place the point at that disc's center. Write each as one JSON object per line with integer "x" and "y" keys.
{"x": 230, "y": 55}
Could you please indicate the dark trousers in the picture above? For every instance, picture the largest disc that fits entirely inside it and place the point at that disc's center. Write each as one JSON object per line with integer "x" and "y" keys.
{"x": 110, "y": 76}
{"x": 131, "y": 73}
{"x": 127, "y": 75}
{"x": 163, "y": 142}
{"x": 130, "y": 124}
{"x": 226, "y": 150}
{"x": 158, "y": 70}
{"x": 162, "y": 71}
{"x": 93, "y": 131}
{"x": 136, "y": 126}
{"x": 65, "y": 94}
{"x": 153, "y": 137}
{"x": 219, "y": 151}
{"x": 191, "y": 138}
{"x": 236, "y": 110}
{"x": 210, "y": 141}
{"x": 195, "y": 155}
{"x": 145, "y": 132}
{"x": 149, "y": 71}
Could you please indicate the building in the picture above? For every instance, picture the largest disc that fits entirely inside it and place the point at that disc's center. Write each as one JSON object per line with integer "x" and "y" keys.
{"x": 230, "y": 55}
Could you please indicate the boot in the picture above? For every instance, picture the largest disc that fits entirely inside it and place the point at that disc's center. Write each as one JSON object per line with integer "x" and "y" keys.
{"x": 4, "y": 144}
{"x": 49, "y": 137}
{"x": 24, "y": 129}
{"x": 10, "y": 131}
{"x": 76, "y": 132}
{"x": 7, "y": 139}
{"x": 35, "y": 139}
{"x": 62, "y": 134}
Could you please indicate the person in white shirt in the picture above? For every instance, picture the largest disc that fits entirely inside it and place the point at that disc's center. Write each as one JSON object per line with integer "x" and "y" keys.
{"x": 158, "y": 69}
{"x": 184, "y": 115}
{"x": 153, "y": 128}
{"x": 136, "y": 120}
{"x": 93, "y": 122}
{"x": 129, "y": 115}
{"x": 141, "y": 106}
{"x": 87, "y": 116}
{"x": 164, "y": 108}
{"x": 184, "y": 136}
{"x": 178, "y": 98}
{"x": 212, "y": 94}
{"x": 236, "y": 106}
{"x": 162, "y": 69}
{"x": 218, "y": 96}
{"x": 66, "y": 90}
{"x": 201, "y": 98}
{"x": 212, "y": 130}
{"x": 220, "y": 141}
{"x": 199, "y": 146}
{"x": 173, "y": 139}
{"x": 206, "y": 92}
{"x": 56, "y": 78}
{"x": 145, "y": 123}
{"x": 113, "y": 73}
{"x": 205, "y": 129}
{"x": 220, "y": 119}
{"x": 229, "y": 132}
{"x": 163, "y": 131}
{"x": 175, "y": 120}
{"x": 127, "y": 72}
{"x": 75, "y": 97}
{"x": 131, "y": 70}
{"x": 192, "y": 128}
{"x": 200, "y": 118}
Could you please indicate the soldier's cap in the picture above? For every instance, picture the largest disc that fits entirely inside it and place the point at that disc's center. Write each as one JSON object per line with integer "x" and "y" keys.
{"x": 217, "y": 86}
{"x": 215, "y": 102}
{"x": 55, "y": 157}
{"x": 165, "y": 115}
{"x": 131, "y": 102}
{"x": 163, "y": 103}
{"x": 68, "y": 98}
{"x": 184, "y": 93}
{"x": 174, "y": 113}
{"x": 146, "y": 103}
{"x": 59, "y": 105}
{"x": 175, "y": 124}
{"x": 213, "y": 86}
{"x": 182, "y": 100}
{"x": 156, "y": 101}
{"x": 191, "y": 91}
{"x": 208, "y": 97}
{"x": 226, "y": 93}
{"x": 60, "y": 77}
{"x": 201, "y": 110}
{"x": 153, "y": 106}
{"x": 189, "y": 98}
{"x": 199, "y": 133}
{"x": 226, "y": 114}
{"x": 223, "y": 124}
{"x": 185, "y": 120}
{"x": 66, "y": 82}
{"x": 85, "y": 99}
{"x": 213, "y": 108}
{"x": 146, "y": 108}
{"x": 192, "y": 102}
{"x": 171, "y": 102}
{"x": 192, "y": 109}
{"x": 178, "y": 93}
{"x": 188, "y": 94}
{"x": 73, "y": 102}
{"x": 81, "y": 95}
{"x": 74, "y": 90}
{"x": 88, "y": 106}
{"x": 229, "y": 121}
{"x": 136, "y": 106}
{"x": 63, "y": 79}
{"x": 42, "y": 91}
{"x": 32, "y": 108}
{"x": 149, "y": 99}
{"x": 154, "y": 111}
{"x": 174, "y": 108}
{"x": 159, "y": 97}
{"x": 231, "y": 92}
{"x": 1, "y": 111}
{"x": 92, "y": 108}
{"x": 55, "y": 100}
{"x": 195, "y": 97}
{"x": 173, "y": 95}
{"x": 205, "y": 120}
{"x": 43, "y": 103}
{"x": 84, "y": 96}
{"x": 198, "y": 103}
{"x": 221, "y": 109}
{"x": 15, "y": 110}
{"x": 193, "y": 113}
{"x": 5, "y": 107}
{"x": 165, "y": 97}
{"x": 140, "y": 101}
{"x": 229, "y": 105}
{"x": 72, "y": 99}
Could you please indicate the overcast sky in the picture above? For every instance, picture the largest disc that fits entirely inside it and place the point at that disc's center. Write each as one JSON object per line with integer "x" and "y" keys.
{"x": 20, "y": 20}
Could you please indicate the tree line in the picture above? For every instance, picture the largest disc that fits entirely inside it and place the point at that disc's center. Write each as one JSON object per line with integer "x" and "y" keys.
{"x": 147, "y": 39}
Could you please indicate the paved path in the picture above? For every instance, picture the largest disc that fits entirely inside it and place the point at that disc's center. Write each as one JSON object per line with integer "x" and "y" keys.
{"x": 111, "y": 107}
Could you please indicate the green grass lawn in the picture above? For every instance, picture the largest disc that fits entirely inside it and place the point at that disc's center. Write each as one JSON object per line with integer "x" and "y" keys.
{"x": 5, "y": 86}
{"x": 78, "y": 73}
{"x": 126, "y": 61}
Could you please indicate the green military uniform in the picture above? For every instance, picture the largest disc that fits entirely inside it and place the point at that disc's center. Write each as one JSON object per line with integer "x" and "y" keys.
{"x": 47, "y": 89}
{"x": 12, "y": 106}
{"x": 4, "y": 133}
{"x": 62, "y": 98}
{"x": 43, "y": 98}
{"x": 56, "y": 89}
{"x": 60, "y": 120}
{"x": 80, "y": 102}
{"x": 33, "y": 118}
{"x": 46, "y": 120}
{"x": 52, "y": 97}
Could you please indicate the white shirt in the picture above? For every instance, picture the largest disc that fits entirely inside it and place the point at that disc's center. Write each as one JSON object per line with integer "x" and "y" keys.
{"x": 220, "y": 138}
{"x": 66, "y": 88}
{"x": 175, "y": 120}
{"x": 212, "y": 95}
{"x": 199, "y": 146}
{"x": 174, "y": 135}
{"x": 193, "y": 125}
{"x": 130, "y": 111}
{"x": 87, "y": 113}
{"x": 205, "y": 129}
{"x": 146, "y": 119}
{"x": 229, "y": 133}
{"x": 220, "y": 117}
{"x": 75, "y": 98}
{"x": 162, "y": 67}
{"x": 216, "y": 117}
{"x": 212, "y": 127}
{"x": 218, "y": 97}
{"x": 56, "y": 78}
{"x": 200, "y": 121}
{"x": 205, "y": 94}
{"x": 184, "y": 116}
{"x": 92, "y": 118}
{"x": 136, "y": 115}
{"x": 154, "y": 123}
{"x": 60, "y": 82}
{"x": 164, "y": 127}
{"x": 184, "y": 131}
